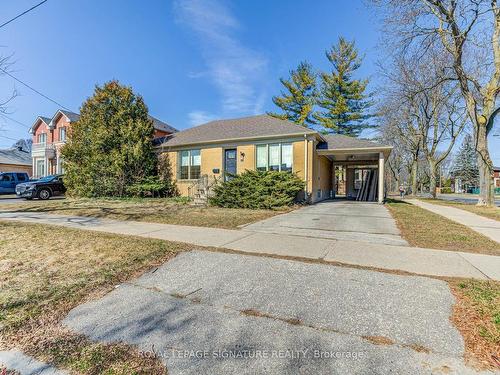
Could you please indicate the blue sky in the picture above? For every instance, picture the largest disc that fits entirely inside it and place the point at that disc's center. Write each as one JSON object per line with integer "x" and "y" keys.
{"x": 191, "y": 60}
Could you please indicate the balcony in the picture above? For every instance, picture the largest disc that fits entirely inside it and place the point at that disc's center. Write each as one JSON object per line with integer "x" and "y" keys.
{"x": 43, "y": 150}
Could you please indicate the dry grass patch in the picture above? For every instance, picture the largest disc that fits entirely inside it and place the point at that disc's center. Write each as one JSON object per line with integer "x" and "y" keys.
{"x": 477, "y": 315}
{"x": 166, "y": 211}
{"x": 489, "y": 212}
{"x": 46, "y": 270}
{"x": 423, "y": 228}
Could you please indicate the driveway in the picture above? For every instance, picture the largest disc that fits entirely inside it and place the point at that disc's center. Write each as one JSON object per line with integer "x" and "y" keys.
{"x": 218, "y": 313}
{"x": 337, "y": 219}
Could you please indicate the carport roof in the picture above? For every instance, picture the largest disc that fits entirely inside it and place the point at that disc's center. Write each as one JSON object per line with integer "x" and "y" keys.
{"x": 339, "y": 142}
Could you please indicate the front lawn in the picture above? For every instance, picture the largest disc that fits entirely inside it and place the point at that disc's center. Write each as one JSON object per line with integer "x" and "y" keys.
{"x": 489, "y": 212}
{"x": 47, "y": 270}
{"x": 423, "y": 228}
{"x": 477, "y": 316}
{"x": 167, "y": 211}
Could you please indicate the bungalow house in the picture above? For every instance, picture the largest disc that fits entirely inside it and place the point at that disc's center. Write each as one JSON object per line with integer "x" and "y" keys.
{"x": 15, "y": 159}
{"x": 216, "y": 149}
{"x": 496, "y": 178}
{"x": 49, "y": 135}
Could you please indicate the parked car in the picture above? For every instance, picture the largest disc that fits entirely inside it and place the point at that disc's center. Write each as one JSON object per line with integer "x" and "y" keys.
{"x": 43, "y": 188}
{"x": 9, "y": 180}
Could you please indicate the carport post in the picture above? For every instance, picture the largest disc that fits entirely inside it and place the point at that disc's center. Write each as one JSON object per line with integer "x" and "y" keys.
{"x": 381, "y": 177}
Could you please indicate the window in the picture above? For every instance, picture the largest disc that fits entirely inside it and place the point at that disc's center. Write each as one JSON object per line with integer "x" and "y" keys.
{"x": 42, "y": 137}
{"x": 274, "y": 157}
{"x": 62, "y": 134}
{"x": 190, "y": 164}
{"x": 262, "y": 157}
{"x": 6, "y": 177}
{"x": 21, "y": 177}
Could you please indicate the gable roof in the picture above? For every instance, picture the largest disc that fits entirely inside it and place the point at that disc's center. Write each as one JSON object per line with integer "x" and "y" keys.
{"x": 260, "y": 126}
{"x": 72, "y": 117}
{"x": 163, "y": 126}
{"x": 15, "y": 156}
{"x": 339, "y": 142}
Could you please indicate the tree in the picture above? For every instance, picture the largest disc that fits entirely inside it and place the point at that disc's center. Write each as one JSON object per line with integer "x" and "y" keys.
{"x": 468, "y": 33}
{"x": 465, "y": 164}
{"x": 109, "y": 148}
{"x": 343, "y": 102}
{"x": 299, "y": 96}
{"x": 5, "y": 64}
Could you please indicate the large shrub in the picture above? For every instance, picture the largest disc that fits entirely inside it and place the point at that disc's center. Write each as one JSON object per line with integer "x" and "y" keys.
{"x": 254, "y": 189}
{"x": 109, "y": 148}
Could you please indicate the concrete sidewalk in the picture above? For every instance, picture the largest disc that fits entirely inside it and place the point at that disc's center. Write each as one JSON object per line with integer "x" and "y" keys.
{"x": 487, "y": 227}
{"x": 404, "y": 258}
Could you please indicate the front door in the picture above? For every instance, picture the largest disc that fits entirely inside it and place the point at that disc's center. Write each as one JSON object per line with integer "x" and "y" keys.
{"x": 229, "y": 163}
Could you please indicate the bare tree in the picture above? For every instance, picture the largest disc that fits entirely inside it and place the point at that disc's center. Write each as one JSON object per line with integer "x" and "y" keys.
{"x": 5, "y": 99}
{"x": 468, "y": 33}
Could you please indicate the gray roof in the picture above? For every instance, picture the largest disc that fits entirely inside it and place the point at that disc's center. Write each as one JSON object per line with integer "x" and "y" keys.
{"x": 160, "y": 125}
{"x": 15, "y": 156}
{"x": 45, "y": 119}
{"x": 260, "y": 126}
{"x": 72, "y": 116}
{"x": 337, "y": 142}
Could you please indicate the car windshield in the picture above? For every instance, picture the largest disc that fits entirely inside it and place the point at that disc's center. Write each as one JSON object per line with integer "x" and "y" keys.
{"x": 47, "y": 178}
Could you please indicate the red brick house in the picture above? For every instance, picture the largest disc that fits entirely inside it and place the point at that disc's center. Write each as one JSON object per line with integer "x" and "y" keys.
{"x": 49, "y": 135}
{"x": 496, "y": 176}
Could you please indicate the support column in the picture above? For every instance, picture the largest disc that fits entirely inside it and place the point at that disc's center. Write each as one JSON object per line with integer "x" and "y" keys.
{"x": 381, "y": 173}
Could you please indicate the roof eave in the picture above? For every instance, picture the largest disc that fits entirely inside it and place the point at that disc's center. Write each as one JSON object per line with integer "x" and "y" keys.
{"x": 301, "y": 134}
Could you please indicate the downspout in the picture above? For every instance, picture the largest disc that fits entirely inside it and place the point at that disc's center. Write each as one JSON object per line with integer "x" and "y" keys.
{"x": 305, "y": 167}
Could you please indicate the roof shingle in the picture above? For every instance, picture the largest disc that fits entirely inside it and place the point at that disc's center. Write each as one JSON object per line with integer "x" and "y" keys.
{"x": 231, "y": 129}
{"x": 337, "y": 142}
{"x": 15, "y": 156}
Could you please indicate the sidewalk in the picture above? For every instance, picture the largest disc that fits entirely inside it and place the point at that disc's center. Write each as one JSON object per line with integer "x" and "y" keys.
{"x": 487, "y": 227}
{"x": 414, "y": 260}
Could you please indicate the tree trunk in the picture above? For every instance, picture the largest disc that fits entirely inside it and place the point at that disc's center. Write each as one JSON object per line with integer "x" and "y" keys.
{"x": 414, "y": 171}
{"x": 432, "y": 177}
{"x": 486, "y": 187}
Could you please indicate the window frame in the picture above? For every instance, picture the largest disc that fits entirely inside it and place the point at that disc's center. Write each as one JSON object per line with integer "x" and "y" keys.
{"x": 190, "y": 157}
{"x": 62, "y": 130}
{"x": 268, "y": 155}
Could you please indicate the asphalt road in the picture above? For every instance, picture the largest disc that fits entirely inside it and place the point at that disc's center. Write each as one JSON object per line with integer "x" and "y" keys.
{"x": 464, "y": 198}
{"x": 218, "y": 313}
{"x": 13, "y": 199}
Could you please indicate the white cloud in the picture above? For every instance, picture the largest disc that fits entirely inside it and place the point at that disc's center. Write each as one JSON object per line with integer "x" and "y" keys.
{"x": 235, "y": 69}
{"x": 200, "y": 117}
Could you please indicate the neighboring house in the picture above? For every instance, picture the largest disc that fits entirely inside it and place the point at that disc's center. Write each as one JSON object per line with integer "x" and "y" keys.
{"x": 15, "y": 159}
{"x": 49, "y": 135}
{"x": 214, "y": 150}
{"x": 496, "y": 176}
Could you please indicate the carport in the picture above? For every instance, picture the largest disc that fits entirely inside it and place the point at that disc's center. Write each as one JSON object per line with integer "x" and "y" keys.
{"x": 358, "y": 167}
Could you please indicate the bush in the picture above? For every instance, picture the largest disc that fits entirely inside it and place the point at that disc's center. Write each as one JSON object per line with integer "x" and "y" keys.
{"x": 254, "y": 189}
{"x": 446, "y": 190}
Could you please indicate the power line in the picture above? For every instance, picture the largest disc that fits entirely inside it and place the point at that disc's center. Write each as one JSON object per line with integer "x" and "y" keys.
{"x": 14, "y": 120}
{"x": 33, "y": 89}
{"x": 12, "y": 139}
{"x": 22, "y": 14}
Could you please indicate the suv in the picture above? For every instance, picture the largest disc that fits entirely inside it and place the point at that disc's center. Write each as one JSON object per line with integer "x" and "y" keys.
{"x": 9, "y": 180}
{"x": 43, "y": 188}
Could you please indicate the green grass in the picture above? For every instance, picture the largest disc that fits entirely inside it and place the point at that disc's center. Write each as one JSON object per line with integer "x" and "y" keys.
{"x": 422, "y": 228}
{"x": 45, "y": 271}
{"x": 158, "y": 210}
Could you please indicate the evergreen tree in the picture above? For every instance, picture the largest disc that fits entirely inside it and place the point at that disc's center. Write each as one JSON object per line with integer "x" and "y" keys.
{"x": 465, "y": 164}
{"x": 109, "y": 148}
{"x": 343, "y": 100}
{"x": 298, "y": 98}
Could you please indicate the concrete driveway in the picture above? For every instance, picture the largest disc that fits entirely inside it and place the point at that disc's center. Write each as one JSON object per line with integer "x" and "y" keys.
{"x": 337, "y": 219}
{"x": 219, "y": 313}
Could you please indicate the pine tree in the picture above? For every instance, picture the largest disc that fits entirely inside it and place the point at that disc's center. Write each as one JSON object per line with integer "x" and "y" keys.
{"x": 109, "y": 148}
{"x": 343, "y": 100}
{"x": 299, "y": 97}
{"x": 465, "y": 164}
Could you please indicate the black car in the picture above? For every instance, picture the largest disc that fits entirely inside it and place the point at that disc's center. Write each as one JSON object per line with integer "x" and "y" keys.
{"x": 43, "y": 188}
